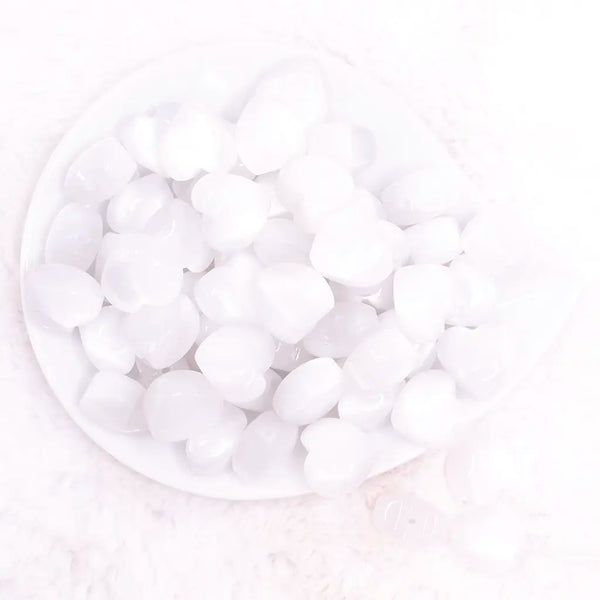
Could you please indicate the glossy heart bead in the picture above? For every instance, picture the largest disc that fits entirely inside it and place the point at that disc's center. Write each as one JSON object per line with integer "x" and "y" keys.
{"x": 66, "y": 295}
{"x": 235, "y": 209}
{"x": 211, "y": 451}
{"x": 292, "y": 298}
{"x": 266, "y": 441}
{"x": 181, "y": 405}
{"x": 309, "y": 391}
{"x": 99, "y": 172}
{"x": 105, "y": 343}
{"x": 114, "y": 401}
{"x": 161, "y": 335}
{"x": 74, "y": 237}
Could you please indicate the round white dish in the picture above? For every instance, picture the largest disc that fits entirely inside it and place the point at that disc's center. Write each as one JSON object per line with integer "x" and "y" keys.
{"x": 221, "y": 77}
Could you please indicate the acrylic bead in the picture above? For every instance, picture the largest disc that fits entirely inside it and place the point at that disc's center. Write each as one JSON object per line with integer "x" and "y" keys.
{"x": 74, "y": 237}
{"x": 114, "y": 402}
{"x": 266, "y": 441}
{"x": 309, "y": 391}
{"x": 161, "y": 335}
{"x": 99, "y": 172}
{"x": 132, "y": 208}
{"x": 66, "y": 295}
{"x": 105, "y": 344}
{"x": 180, "y": 405}
{"x": 293, "y": 298}
{"x": 234, "y": 208}
{"x": 211, "y": 451}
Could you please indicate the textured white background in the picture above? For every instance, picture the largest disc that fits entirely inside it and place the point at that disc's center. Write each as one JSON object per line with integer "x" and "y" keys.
{"x": 508, "y": 86}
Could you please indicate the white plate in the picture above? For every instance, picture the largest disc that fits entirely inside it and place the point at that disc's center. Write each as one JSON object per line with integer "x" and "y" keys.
{"x": 221, "y": 77}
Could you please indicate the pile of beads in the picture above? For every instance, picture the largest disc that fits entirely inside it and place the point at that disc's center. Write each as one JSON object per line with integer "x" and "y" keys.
{"x": 238, "y": 291}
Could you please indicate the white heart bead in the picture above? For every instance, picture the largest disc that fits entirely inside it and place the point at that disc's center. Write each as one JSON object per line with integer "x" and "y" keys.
{"x": 120, "y": 279}
{"x": 477, "y": 293}
{"x": 99, "y": 172}
{"x": 282, "y": 240}
{"x": 139, "y": 135}
{"x": 436, "y": 241}
{"x": 266, "y": 441}
{"x": 195, "y": 141}
{"x": 339, "y": 331}
{"x": 132, "y": 208}
{"x": 424, "y": 297}
{"x": 289, "y": 356}
{"x": 426, "y": 410}
{"x": 350, "y": 145}
{"x": 293, "y": 298}
{"x": 234, "y": 208}
{"x": 234, "y": 359}
{"x": 309, "y": 391}
{"x": 268, "y": 134}
{"x": 351, "y": 250}
{"x": 224, "y": 296}
{"x": 66, "y": 295}
{"x": 114, "y": 401}
{"x": 366, "y": 410}
{"x": 380, "y": 361}
{"x": 313, "y": 187}
{"x": 339, "y": 457}
{"x": 161, "y": 335}
{"x": 210, "y": 452}
{"x": 74, "y": 237}
{"x": 105, "y": 344}
{"x": 180, "y": 405}
{"x": 139, "y": 270}
{"x": 410, "y": 519}
{"x": 180, "y": 228}
{"x": 490, "y": 539}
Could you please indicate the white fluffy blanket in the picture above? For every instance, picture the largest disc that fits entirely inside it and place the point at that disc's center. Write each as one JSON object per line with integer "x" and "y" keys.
{"x": 496, "y": 82}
